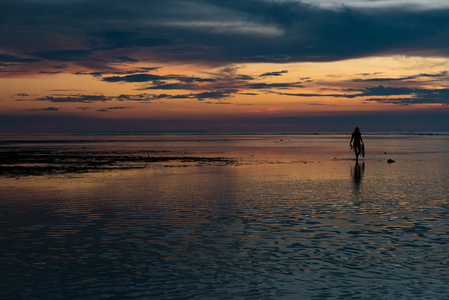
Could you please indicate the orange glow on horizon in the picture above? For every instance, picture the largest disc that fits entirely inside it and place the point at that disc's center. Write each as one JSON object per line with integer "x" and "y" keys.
{"x": 291, "y": 89}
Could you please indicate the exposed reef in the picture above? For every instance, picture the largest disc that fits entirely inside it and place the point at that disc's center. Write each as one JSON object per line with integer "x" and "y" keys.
{"x": 30, "y": 161}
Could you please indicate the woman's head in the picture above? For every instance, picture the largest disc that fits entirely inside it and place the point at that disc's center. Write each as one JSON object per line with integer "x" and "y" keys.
{"x": 356, "y": 129}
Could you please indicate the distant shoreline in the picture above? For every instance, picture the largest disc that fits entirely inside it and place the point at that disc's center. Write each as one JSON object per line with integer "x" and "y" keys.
{"x": 204, "y": 133}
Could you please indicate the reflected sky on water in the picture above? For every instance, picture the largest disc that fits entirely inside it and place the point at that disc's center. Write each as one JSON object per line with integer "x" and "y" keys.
{"x": 294, "y": 219}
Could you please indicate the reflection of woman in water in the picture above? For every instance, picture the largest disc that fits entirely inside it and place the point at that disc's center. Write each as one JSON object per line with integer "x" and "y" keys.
{"x": 357, "y": 143}
{"x": 357, "y": 175}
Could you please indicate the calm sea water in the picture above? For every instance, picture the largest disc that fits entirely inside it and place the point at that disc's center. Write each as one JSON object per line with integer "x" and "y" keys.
{"x": 295, "y": 218}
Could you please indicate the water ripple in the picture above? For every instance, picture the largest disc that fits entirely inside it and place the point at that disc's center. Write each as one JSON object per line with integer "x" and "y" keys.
{"x": 247, "y": 232}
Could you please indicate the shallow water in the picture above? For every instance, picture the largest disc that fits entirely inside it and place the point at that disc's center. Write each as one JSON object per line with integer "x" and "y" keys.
{"x": 296, "y": 218}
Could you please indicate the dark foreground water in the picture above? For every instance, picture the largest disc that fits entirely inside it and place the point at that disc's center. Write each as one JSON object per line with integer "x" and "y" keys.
{"x": 294, "y": 218}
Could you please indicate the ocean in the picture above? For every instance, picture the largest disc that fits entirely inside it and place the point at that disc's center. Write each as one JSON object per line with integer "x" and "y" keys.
{"x": 224, "y": 216}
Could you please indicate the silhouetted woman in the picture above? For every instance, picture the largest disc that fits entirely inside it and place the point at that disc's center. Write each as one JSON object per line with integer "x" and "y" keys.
{"x": 357, "y": 143}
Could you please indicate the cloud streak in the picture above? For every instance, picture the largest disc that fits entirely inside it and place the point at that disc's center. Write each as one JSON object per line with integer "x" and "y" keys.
{"x": 228, "y": 82}
{"x": 75, "y": 99}
{"x": 442, "y": 75}
{"x": 51, "y": 108}
{"x": 381, "y": 94}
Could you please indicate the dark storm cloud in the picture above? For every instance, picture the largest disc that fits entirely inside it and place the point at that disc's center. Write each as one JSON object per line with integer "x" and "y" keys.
{"x": 388, "y": 91}
{"x": 11, "y": 59}
{"x": 59, "y": 67}
{"x": 409, "y": 95}
{"x": 97, "y": 33}
{"x": 107, "y": 40}
{"x": 62, "y": 55}
{"x": 125, "y": 59}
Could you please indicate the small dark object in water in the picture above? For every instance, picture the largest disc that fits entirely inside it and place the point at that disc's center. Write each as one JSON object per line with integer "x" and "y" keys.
{"x": 390, "y": 161}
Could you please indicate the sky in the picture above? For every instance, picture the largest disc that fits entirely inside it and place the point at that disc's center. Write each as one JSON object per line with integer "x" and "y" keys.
{"x": 224, "y": 66}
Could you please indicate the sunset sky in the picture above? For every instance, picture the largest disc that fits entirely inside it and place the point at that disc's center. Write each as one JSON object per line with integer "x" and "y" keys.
{"x": 224, "y": 65}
